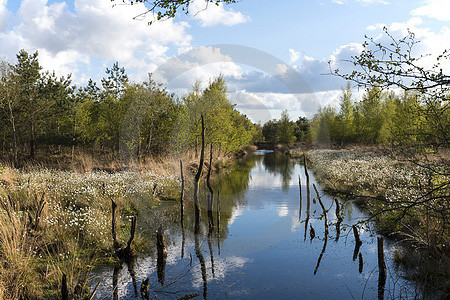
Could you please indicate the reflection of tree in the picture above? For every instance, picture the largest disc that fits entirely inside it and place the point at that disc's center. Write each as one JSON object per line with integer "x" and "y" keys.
{"x": 278, "y": 163}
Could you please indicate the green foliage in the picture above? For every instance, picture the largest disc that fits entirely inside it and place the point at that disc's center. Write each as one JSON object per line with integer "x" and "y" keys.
{"x": 379, "y": 118}
{"x": 38, "y": 109}
{"x": 285, "y": 131}
{"x": 422, "y": 113}
{"x": 166, "y": 9}
{"x": 225, "y": 127}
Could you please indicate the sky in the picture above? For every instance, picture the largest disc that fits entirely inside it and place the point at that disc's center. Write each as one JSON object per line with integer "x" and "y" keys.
{"x": 274, "y": 55}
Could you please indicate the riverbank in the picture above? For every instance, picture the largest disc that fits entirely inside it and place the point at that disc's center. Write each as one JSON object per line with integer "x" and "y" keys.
{"x": 55, "y": 222}
{"x": 406, "y": 201}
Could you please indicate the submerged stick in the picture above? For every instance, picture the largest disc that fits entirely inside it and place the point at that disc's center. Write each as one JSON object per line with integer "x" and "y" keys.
{"x": 323, "y": 209}
{"x": 321, "y": 254}
{"x": 198, "y": 252}
{"x": 182, "y": 193}
{"x": 218, "y": 221}
{"x": 144, "y": 289}
{"x": 358, "y": 242}
{"x": 161, "y": 254}
{"x": 338, "y": 210}
{"x": 211, "y": 253}
{"x": 199, "y": 172}
{"x": 300, "y": 188}
{"x": 361, "y": 263}
{"x": 182, "y": 210}
{"x": 116, "y": 274}
{"x": 211, "y": 192}
{"x": 340, "y": 219}
{"x": 381, "y": 268}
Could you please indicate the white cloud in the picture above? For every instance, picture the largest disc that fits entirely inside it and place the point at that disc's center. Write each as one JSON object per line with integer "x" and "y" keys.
{"x": 96, "y": 30}
{"x": 436, "y": 9}
{"x": 431, "y": 43}
{"x": 281, "y": 69}
{"x": 200, "y": 64}
{"x": 210, "y": 14}
{"x": 294, "y": 55}
{"x": 376, "y": 26}
{"x": 4, "y": 16}
{"x": 261, "y": 107}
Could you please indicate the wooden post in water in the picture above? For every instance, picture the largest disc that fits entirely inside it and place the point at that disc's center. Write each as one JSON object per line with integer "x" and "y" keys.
{"x": 199, "y": 173}
{"x": 381, "y": 268}
{"x": 300, "y": 188}
{"x": 115, "y": 286}
{"x": 358, "y": 242}
{"x": 198, "y": 252}
{"x": 144, "y": 289}
{"x": 218, "y": 221}
{"x": 182, "y": 210}
{"x": 361, "y": 263}
{"x": 161, "y": 254}
{"x": 211, "y": 192}
{"x": 340, "y": 219}
{"x": 338, "y": 209}
{"x": 182, "y": 193}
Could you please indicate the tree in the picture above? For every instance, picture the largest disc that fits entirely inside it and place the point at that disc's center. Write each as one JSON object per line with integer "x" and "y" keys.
{"x": 224, "y": 126}
{"x": 302, "y": 129}
{"x": 346, "y": 116}
{"x": 394, "y": 66}
{"x": 269, "y": 131}
{"x": 26, "y": 100}
{"x": 166, "y": 9}
{"x": 285, "y": 129}
{"x": 370, "y": 113}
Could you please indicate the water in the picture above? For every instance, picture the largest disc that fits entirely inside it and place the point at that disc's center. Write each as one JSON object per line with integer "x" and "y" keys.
{"x": 259, "y": 249}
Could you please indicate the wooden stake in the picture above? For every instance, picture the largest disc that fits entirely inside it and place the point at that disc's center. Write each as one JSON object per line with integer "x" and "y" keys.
{"x": 199, "y": 172}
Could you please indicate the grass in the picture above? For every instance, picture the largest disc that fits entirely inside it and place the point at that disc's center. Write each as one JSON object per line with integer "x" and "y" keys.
{"x": 55, "y": 216}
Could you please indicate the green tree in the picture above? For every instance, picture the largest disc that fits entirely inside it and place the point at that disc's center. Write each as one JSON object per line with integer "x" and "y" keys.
{"x": 370, "y": 114}
{"x": 302, "y": 129}
{"x": 285, "y": 129}
{"x": 26, "y": 100}
{"x": 392, "y": 65}
{"x": 270, "y": 131}
{"x": 225, "y": 127}
{"x": 345, "y": 118}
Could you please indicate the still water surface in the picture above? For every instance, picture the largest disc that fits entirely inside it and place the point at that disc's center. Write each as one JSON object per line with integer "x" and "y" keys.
{"x": 260, "y": 246}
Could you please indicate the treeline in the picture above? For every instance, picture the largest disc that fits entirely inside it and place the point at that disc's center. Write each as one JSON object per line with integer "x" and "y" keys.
{"x": 284, "y": 131}
{"x": 40, "y": 111}
{"x": 380, "y": 117}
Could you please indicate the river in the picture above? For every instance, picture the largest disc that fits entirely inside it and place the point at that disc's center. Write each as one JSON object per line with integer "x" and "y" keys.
{"x": 260, "y": 245}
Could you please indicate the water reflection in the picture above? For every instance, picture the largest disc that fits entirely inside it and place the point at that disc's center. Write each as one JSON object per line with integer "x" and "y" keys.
{"x": 255, "y": 246}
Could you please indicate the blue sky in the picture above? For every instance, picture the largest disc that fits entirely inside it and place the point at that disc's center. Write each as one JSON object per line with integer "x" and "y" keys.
{"x": 266, "y": 42}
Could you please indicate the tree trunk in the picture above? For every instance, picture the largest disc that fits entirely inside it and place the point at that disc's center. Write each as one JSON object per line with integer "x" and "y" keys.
{"x": 13, "y": 125}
